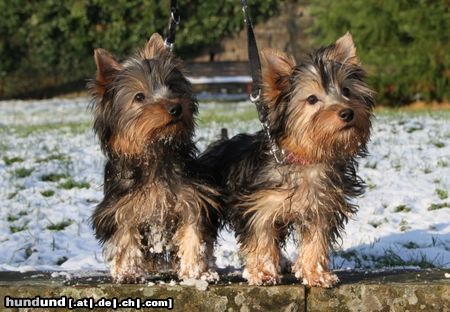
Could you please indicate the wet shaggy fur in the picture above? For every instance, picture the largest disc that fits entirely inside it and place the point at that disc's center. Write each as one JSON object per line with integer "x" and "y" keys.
{"x": 157, "y": 212}
{"x": 319, "y": 115}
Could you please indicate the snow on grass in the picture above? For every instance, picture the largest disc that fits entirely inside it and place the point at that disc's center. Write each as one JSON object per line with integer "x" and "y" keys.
{"x": 404, "y": 219}
{"x": 51, "y": 176}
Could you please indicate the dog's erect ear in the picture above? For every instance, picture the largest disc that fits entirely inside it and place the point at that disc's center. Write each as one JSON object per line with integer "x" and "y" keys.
{"x": 154, "y": 47}
{"x": 107, "y": 66}
{"x": 344, "y": 50}
{"x": 276, "y": 67}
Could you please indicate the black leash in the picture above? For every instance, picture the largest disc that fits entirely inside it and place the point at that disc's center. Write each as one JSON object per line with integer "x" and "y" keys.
{"x": 174, "y": 20}
{"x": 255, "y": 96}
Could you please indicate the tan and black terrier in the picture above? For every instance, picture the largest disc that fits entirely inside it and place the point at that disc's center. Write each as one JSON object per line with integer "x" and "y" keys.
{"x": 319, "y": 115}
{"x": 157, "y": 211}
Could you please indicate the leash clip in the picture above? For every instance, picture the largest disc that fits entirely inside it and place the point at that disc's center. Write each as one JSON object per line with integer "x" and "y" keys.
{"x": 275, "y": 150}
{"x": 176, "y": 19}
{"x": 168, "y": 44}
{"x": 255, "y": 99}
{"x": 278, "y": 158}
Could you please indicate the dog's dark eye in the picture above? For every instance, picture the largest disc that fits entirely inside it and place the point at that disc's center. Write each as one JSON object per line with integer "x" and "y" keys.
{"x": 312, "y": 99}
{"x": 140, "y": 97}
{"x": 346, "y": 92}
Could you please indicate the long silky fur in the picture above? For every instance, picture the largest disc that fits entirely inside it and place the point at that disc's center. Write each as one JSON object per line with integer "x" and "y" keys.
{"x": 266, "y": 200}
{"x": 158, "y": 188}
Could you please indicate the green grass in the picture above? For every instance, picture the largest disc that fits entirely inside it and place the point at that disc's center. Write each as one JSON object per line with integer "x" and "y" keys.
{"x": 15, "y": 193}
{"x": 226, "y": 115}
{"x": 402, "y": 208}
{"x": 23, "y": 172}
{"x": 59, "y": 157}
{"x": 442, "y": 194}
{"x": 18, "y": 228}
{"x": 351, "y": 255}
{"x": 391, "y": 259}
{"x": 404, "y": 226}
{"x": 411, "y": 245}
{"x": 371, "y": 165}
{"x": 397, "y": 165}
{"x": 12, "y": 218}
{"x": 71, "y": 183}
{"x": 375, "y": 224}
{"x": 439, "y": 144}
{"x": 54, "y": 177}
{"x": 12, "y": 195}
{"x": 438, "y": 206}
{"x": 3, "y": 147}
{"x": 11, "y": 160}
{"x": 59, "y": 226}
{"x": 26, "y": 130}
{"x": 48, "y": 193}
{"x": 414, "y": 128}
{"x": 370, "y": 184}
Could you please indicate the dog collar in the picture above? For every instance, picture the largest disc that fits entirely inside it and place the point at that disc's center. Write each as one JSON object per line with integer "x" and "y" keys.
{"x": 294, "y": 159}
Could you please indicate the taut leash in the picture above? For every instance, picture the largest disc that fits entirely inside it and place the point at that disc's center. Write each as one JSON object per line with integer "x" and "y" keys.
{"x": 255, "y": 96}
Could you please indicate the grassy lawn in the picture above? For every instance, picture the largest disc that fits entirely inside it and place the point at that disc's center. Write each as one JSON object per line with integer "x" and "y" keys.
{"x": 51, "y": 168}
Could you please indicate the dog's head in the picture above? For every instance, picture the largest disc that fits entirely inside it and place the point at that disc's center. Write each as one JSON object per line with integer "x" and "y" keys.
{"x": 141, "y": 100}
{"x": 320, "y": 109}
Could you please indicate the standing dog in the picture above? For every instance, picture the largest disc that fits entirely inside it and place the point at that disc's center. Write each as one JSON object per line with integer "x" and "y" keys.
{"x": 157, "y": 212}
{"x": 319, "y": 115}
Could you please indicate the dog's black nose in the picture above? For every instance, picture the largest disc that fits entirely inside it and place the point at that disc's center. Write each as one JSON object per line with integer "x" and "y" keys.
{"x": 346, "y": 114}
{"x": 175, "y": 110}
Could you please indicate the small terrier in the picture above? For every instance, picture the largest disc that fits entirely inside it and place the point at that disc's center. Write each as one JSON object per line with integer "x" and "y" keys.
{"x": 157, "y": 211}
{"x": 319, "y": 113}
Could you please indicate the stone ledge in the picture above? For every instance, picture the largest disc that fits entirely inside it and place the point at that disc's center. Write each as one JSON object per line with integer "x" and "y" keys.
{"x": 383, "y": 291}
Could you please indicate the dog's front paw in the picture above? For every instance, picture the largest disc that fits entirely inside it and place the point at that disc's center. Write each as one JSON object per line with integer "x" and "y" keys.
{"x": 317, "y": 279}
{"x": 261, "y": 277}
{"x": 131, "y": 274}
{"x": 192, "y": 270}
{"x": 210, "y": 276}
{"x": 297, "y": 270}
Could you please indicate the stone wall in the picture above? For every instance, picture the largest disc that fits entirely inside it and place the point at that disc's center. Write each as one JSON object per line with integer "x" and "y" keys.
{"x": 360, "y": 291}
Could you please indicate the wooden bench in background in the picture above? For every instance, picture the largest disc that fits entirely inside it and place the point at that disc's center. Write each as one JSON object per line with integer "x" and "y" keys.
{"x": 220, "y": 77}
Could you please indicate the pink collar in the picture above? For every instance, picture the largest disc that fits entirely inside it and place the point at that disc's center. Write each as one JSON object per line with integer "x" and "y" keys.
{"x": 294, "y": 159}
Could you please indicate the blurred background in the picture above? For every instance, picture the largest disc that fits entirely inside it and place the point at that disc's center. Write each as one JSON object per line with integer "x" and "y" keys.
{"x": 46, "y": 46}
